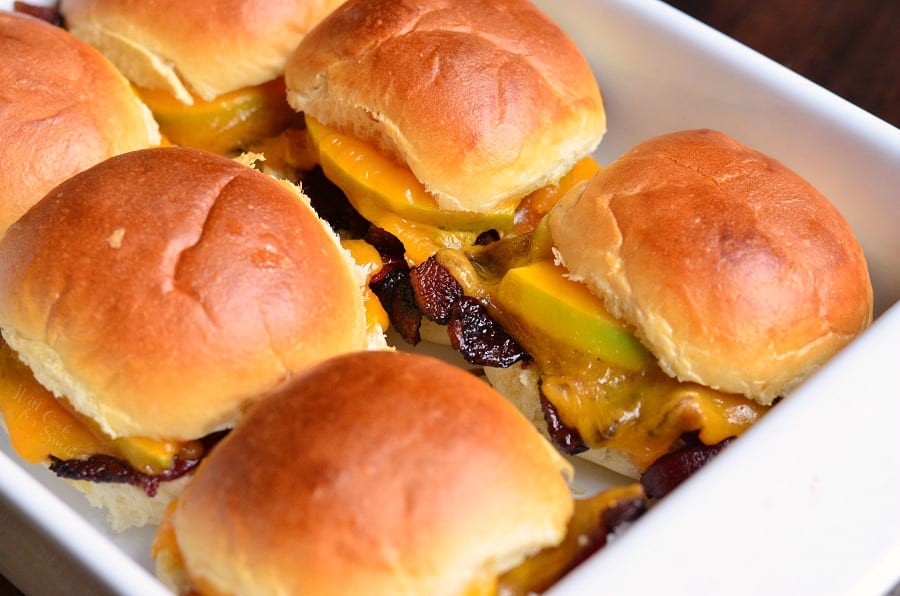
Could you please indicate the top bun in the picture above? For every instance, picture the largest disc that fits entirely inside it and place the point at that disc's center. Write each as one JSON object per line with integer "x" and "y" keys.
{"x": 204, "y": 48}
{"x": 735, "y": 271}
{"x": 65, "y": 108}
{"x": 373, "y": 473}
{"x": 484, "y": 101}
{"x": 161, "y": 289}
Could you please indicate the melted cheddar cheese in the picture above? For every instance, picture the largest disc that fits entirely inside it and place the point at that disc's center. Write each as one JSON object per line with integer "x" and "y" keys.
{"x": 593, "y": 370}
{"x": 391, "y": 197}
{"x": 40, "y": 425}
{"x": 225, "y": 124}
{"x": 365, "y": 256}
{"x": 585, "y": 533}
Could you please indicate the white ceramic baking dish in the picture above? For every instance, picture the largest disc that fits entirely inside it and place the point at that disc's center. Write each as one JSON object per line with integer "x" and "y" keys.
{"x": 805, "y": 503}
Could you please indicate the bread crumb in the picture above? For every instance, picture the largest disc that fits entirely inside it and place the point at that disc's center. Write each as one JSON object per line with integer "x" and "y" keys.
{"x": 250, "y": 158}
{"x": 115, "y": 239}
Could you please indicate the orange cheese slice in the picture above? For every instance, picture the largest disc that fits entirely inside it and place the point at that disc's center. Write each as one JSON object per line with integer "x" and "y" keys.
{"x": 391, "y": 197}
{"x": 368, "y": 258}
{"x": 225, "y": 124}
{"x": 40, "y": 425}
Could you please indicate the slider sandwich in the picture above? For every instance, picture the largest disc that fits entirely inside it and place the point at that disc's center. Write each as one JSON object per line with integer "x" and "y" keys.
{"x": 211, "y": 72}
{"x": 372, "y": 473}
{"x": 63, "y": 108}
{"x": 666, "y": 303}
{"x": 441, "y": 121}
{"x": 145, "y": 302}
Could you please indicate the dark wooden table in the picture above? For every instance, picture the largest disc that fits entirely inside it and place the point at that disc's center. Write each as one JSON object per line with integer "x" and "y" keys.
{"x": 847, "y": 46}
{"x": 850, "y": 47}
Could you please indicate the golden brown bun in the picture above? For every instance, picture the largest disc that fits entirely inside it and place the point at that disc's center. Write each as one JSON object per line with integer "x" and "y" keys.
{"x": 205, "y": 48}
{"x": 161, "y": 289}
{"x": 373, "y": 473}
{"x": 64, "y": 109}
{"x": 735, "y": 272}
{"x": 484, "y": 101}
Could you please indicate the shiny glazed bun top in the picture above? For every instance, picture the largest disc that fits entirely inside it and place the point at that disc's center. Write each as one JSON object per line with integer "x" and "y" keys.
{"x": 483, "y": 101}
{"x": 205, "y": 48}
{"x": 63, "y": 108}
{"x": 161, "y": 289}
{"x": 372, "y": 473}
{"x": 735, "y": 271}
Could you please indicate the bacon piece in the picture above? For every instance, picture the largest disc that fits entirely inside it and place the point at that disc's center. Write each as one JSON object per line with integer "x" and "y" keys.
{"x": 436, "y": 290}
{"x": 565, "y": 437}
{"x": 107, "y": 468}
{"x": 331, "y": 204}
{"x": 386, "y": 243}
{"x": 670, "y": 470}
{"x": 39, "y": 12}
{"x": 473, "y": 333}
{"x": 391, "y": 284}
{"x": 479, "y": 338}
{"x": 487, "y": 237}
{"x": 394, "y": 290}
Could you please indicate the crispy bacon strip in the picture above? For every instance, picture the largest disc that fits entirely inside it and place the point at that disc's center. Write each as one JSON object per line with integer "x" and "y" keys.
{"x": 395, "y": 292}
{"x": 479, "y": 339}
{"x": 107, "y": 468}
{"x": 391, "y": 284}
{"x": 473, "y": 333}
{"x": 408, "y": 294}
{"x": 386, "y": 243}
{"x": 673, "y": 468}
{"x": 565, "y": 437}
{"x": 331, "y": 204}
{"x": 436, "y": 290}
{"x": 487, "y": 237}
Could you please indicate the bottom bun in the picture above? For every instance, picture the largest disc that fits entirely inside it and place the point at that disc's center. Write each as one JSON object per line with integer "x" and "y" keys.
{"x": 519, "y": 384}
{"x": 128, "y": 506}
{"x": 125, "y": 505}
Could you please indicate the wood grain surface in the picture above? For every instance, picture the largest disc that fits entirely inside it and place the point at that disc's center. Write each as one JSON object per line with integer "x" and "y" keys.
{"x": 850, "y": 47}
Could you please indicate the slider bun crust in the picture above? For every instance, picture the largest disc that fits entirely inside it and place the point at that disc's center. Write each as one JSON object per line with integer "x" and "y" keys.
{"x": 161, "y": 289}
{"x": 373, "y": 473}
{"x": 64, "y": 109}
{"x": 208, "y": 48}
{"x": 735, "y": 271}
{"x": 484, "y": 101}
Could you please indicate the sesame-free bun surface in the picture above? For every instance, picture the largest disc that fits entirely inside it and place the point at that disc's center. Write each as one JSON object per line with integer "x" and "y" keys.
{"x": 64, "y": 109}
{"x": 735, "y": 271}
{"x": 483, "y": 101}
{"x": 373, "y": 473}
{"x": 205, "y": 48}
{"x": 161, "y": 289}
